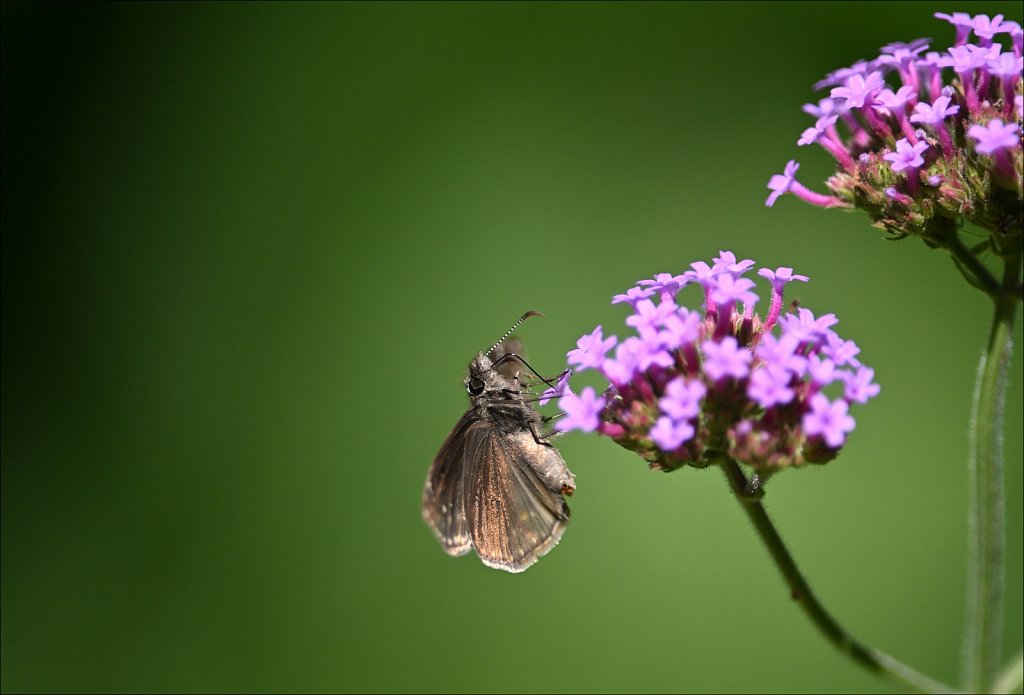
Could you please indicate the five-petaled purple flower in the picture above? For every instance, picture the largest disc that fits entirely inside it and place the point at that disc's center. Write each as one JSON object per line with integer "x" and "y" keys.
{"x": 669, "y": 434}
{"x": 906, "y": 156}
{"x": 934, "y": 114}
{"x": 560, "y": 388}
{"x": 682, "y": 398}
{"x": 590, "y": 350}
{"x": 858, "y": 89}
{"x": 632, "y": 295}
{"x": 726, "y": 359}
{"x": 995, "y": 136}
{"x": 829, "y": 420}
{"x": 780, "y": 183}
{"x": 581, "y": 412}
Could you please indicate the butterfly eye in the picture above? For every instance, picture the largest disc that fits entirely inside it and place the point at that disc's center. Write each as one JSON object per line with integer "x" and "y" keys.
{"x": 475, "y": 387}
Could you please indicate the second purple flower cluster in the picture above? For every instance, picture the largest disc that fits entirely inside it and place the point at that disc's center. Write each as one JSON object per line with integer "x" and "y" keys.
{"x": 923, "y": 139}
{"x": 689, "y": 386}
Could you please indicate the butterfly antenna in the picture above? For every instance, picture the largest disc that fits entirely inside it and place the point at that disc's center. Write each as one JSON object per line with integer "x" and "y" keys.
{"x": 515, "y": 325}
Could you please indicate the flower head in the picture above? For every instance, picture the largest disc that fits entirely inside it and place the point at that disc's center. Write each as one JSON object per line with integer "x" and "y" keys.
{"x": 689, "y": 387}
{"x": 913, "y": 116}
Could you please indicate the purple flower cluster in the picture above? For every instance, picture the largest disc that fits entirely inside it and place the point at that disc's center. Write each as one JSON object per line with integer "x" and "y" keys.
{"x": 690, "y": 386}
{"x": 924, "y": 139}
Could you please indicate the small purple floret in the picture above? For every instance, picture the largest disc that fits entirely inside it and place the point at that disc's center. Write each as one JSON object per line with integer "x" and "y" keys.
{"x": 781, "y": 183}
{"x": 858, "y": 89}
{"x": 560, "y": 388}
{"x": 934, "y": 114}
{"x": 782, "y": 353}
{"x": 650, "y": 316}
{"x": 805, "y": 328}
{"x": 830, "y": 421}
{"x": 729, "y": 290}
{"x": 681, "y": 328}
{"x": 822, "y": 371}
{"x": 632, "y": 295}
{"x": 770, "y": 386}
{"x": 726, "y": 262}
{"x": 726, "y": 358}
{"x": 780, "y": 276}
{"x": 906, "y": 156}
{"x": 682, "y": 398}
{"x": 859, "y": 388}
{"x": 582, "y": 411}
{"x": 995, "y": 136}
{"x": 669, "y": 435}
{"x": 590, "y": 350}
{"x": 666, "y": 283}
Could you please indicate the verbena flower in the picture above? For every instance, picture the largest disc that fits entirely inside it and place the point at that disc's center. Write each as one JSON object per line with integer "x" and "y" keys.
{"x": 924, "y": 140}
{"x": 691, "y": 386}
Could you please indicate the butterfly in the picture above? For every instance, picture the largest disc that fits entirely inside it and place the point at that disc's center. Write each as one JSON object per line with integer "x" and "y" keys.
{"x": 496, "y": 485}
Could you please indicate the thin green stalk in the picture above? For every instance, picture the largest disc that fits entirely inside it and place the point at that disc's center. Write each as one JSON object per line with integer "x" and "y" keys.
{"x": 868, "y": 657}
{"x": 986, "y": 282}
{"x": 986, "y": 537}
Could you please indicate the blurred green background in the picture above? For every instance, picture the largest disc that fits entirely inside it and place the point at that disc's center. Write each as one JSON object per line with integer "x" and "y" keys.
{"x": 248, "y": 250}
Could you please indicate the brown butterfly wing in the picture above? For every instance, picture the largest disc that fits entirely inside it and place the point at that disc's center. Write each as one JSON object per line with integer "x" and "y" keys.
{"x": 513, "y": 496}
{"x": 444, "y": 507}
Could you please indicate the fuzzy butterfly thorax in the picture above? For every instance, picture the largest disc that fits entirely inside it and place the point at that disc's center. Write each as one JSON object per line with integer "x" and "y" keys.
{"x": 499, "y": 397}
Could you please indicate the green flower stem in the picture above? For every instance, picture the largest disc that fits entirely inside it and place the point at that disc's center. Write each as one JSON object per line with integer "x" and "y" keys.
{"x": 872, "y": 659}
{"x": 986, "y": 538}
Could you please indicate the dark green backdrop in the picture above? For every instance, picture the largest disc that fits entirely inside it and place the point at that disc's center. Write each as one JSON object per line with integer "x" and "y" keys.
{"x": 248, "y": 250}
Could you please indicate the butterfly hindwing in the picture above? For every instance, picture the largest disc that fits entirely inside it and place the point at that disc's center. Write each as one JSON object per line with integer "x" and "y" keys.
{"x": 516, "y": 515}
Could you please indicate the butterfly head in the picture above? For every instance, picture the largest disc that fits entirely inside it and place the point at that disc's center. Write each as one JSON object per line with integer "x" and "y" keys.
{"x": 482, "y": 376}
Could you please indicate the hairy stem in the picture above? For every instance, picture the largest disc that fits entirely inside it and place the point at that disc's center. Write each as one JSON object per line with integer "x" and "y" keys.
{"x": 868, "y": 657}
{"x": 986, "y": 535}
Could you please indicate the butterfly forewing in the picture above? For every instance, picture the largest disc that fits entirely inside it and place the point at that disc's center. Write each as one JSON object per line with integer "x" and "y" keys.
{"x": 444, "y": 507}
